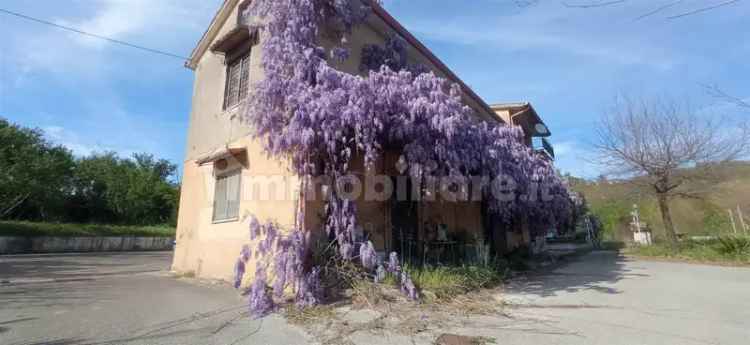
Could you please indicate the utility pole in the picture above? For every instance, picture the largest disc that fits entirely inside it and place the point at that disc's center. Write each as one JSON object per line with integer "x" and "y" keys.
{"x": 742, "y": 219}
{"x": 731, "y": 218}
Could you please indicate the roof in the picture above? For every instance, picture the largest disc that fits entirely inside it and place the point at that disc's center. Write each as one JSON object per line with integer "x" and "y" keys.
{"x": 211, "y": 32}
{"x": 228, "y": 5}
{"x": 524, "y": 115}
{"x": 233, "y": 38}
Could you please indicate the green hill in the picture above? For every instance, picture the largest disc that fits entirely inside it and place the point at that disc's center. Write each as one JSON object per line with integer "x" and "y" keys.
{"x": 612, "y": 201}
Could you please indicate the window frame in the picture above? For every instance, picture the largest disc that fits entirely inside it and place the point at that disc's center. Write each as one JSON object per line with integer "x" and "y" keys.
{"x": 239, "y": 56}
{"x": 226, "y": 175}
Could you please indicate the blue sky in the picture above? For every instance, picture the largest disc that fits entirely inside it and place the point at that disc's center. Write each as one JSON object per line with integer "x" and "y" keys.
{"x": 91, "y": 95}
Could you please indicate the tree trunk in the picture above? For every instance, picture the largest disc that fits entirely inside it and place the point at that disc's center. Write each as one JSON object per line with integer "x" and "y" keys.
{"x": 666, "y": 217}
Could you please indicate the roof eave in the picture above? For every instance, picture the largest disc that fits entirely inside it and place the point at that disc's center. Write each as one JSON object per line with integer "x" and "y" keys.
{"x": 213, "y": 29}
{"x": 539, "y": 120}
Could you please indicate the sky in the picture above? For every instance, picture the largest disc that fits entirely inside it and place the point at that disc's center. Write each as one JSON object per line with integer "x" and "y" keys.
{"x": 569, "y": 61}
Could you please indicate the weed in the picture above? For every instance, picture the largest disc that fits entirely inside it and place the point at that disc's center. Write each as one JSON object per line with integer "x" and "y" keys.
{"x": 308, "y": 315}
{"x": 734, "y": 245}
{"x": 729, "y": 250}
{"x": 448, "y": 282}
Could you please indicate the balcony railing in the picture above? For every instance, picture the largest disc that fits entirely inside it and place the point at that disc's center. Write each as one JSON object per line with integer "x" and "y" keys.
{"x": 542, "y": 145}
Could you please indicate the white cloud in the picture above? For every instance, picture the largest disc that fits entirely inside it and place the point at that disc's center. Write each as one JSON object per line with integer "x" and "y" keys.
{"x": 61, "y": 136}
{"x": 576, "y": 158}
{"x": 168, "y": 25}
{"x": 604, "y": 37}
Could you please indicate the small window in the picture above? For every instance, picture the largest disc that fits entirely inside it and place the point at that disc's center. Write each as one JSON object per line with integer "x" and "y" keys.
{"x": 227, "y": 197}
{"x": 238, "y": 78}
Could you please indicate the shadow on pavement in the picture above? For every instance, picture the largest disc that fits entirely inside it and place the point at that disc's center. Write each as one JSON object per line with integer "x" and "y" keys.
{"x": 593, "y": 271}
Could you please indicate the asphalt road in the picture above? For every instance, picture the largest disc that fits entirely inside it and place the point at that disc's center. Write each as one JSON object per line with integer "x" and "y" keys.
{"x": 603, "y": 298}
{"x": 600, "y": 298}
{"x": 122, "y": 299}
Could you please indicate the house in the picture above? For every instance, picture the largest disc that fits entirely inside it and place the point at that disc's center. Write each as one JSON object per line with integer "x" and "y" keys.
{"x": 536, "y": 132}
{"x": 228, "y": 176}
{"x": 524, "y": 115}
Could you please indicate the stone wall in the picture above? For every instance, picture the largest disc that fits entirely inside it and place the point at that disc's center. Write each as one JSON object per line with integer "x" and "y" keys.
{"x": 28, "y": 245}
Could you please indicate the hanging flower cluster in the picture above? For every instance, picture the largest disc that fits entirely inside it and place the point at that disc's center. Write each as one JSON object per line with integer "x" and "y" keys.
{"x": 392, "y": 54}
{"x": 287, "y": 256}
{"x": 318, "y": 117}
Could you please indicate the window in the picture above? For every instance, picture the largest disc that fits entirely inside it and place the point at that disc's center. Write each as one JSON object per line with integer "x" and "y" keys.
{"x": 227, "y": 197}
{"x": 238, "y": 78}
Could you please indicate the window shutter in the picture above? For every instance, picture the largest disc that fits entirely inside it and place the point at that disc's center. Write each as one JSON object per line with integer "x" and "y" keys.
{"x": 238, "y": 80}
{"x": 233, "y": 196}
{"x": 220, "y": 199}
{"x": 227, "y": 197}
{"x": 233, "y": 80}
{"x": 244, "y": 77}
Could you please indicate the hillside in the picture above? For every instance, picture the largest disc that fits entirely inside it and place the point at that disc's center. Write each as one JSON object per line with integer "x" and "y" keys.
{"x": 612, "y": 201}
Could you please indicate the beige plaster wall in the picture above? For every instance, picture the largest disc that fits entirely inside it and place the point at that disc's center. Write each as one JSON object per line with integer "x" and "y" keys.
{"x": 210, "y": 125}
{"x": 209, "y": 249}
{"x": 203, "y": 248}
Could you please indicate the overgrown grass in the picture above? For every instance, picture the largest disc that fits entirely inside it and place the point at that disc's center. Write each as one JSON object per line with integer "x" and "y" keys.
{"x": 9, "y": 228}
{"x": 448, "y": 282}
{"x": 728, "y": 250}
{"x": 613, "y": 245}
{"x": 436, "y": 284}
{"x": 303, "y": 316}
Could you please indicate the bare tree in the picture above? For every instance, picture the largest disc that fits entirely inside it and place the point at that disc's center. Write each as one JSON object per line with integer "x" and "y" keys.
{"x": 663, "y": 146}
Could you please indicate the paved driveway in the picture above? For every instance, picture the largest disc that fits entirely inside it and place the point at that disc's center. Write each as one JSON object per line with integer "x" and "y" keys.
{"x": 600, "y": 298}
{"x": 122, "y": 299}
{"x": 603, "y": 298}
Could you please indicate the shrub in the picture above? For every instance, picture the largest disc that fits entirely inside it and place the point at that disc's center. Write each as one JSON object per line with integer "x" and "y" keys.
{"x": 734, "y": 245}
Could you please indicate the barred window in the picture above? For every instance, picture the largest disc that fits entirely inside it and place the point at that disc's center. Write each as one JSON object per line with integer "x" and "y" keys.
{"x": 227, "y": 197}
{"x": 238, "y": 78}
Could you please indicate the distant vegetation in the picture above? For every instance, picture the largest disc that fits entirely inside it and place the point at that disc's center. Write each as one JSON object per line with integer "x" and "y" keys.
{"x": 708, "y": 214}
{"x": 44, "y": 182}
{"x": 34, "y": 229}
{"x": 725, "y": 249}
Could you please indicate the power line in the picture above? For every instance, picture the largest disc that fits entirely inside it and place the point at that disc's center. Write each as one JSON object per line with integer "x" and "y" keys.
{"x": 109, "y": 39}
{"x": 704, "y": 9}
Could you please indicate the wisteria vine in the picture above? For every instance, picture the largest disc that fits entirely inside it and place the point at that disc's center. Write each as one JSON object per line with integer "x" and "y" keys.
{"x": 319, "y": 117}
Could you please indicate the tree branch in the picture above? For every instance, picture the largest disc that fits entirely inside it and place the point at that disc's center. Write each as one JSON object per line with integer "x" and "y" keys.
{"x": 16, "y": 202}
{"x": 715, "y": 91}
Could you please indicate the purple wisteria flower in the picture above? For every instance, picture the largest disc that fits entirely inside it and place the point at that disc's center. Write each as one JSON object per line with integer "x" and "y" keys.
{"x": 239, "y": 272}
{"x": 393, "y": 264}
{"x": 310, "y": 290}
{"x": 380, "y": 274}
{"x": 254, "y": 228}
{"x": 239, "y": 266}
{"x": 408, "y": 288}
{"x": 261, "y": 302}
{"x": 318, "y": 116}
{"x": 368, "y": 255}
